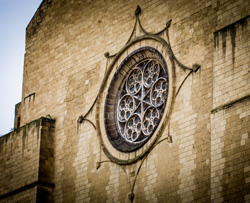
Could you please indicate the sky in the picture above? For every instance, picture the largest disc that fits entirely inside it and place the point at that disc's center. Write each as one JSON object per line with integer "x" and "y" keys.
{"x": 15, "y": 15}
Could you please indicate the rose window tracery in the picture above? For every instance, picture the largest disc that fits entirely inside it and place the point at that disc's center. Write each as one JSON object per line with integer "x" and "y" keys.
{"x": 141, "y": 101}
{"x": 136, "y": 99}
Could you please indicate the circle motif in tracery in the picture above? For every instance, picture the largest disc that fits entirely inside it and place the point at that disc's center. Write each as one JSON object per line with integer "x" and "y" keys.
{"x": 141, "y": 101}
{"x": 136, "y": 99}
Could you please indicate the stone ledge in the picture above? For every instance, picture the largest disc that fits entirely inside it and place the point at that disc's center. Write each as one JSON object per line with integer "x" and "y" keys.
{"x": 26, "y": 187}
{"x": 38, "y": 122}
{"x": 230, "y": 104}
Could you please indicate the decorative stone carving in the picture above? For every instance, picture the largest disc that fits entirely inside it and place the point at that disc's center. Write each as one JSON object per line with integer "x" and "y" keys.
{"x": 139, "y": 99}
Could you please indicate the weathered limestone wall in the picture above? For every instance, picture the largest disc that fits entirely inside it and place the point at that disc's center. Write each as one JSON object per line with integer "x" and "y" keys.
{"x": 230, "y": 117}
{"x": 231, "y": 63}
{"x": 28, "y": 195}
{"x": 65, "y": 65}
{"x": 230, "y": 154}
{"x": 19, "y": 158}
{"x": 26, "y": 159}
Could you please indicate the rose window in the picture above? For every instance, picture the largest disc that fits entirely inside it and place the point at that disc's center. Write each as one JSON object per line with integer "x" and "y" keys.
{"x": 136, "y": 99}
{"x": 141, "y": 101}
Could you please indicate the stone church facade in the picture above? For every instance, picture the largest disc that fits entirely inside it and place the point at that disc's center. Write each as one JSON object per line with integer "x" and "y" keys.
{"x": 132, "y": 101}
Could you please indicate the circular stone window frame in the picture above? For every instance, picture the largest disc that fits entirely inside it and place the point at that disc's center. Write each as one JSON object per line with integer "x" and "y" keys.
{"x": 110, "y": 151}
{"x": 119, "y": 86}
